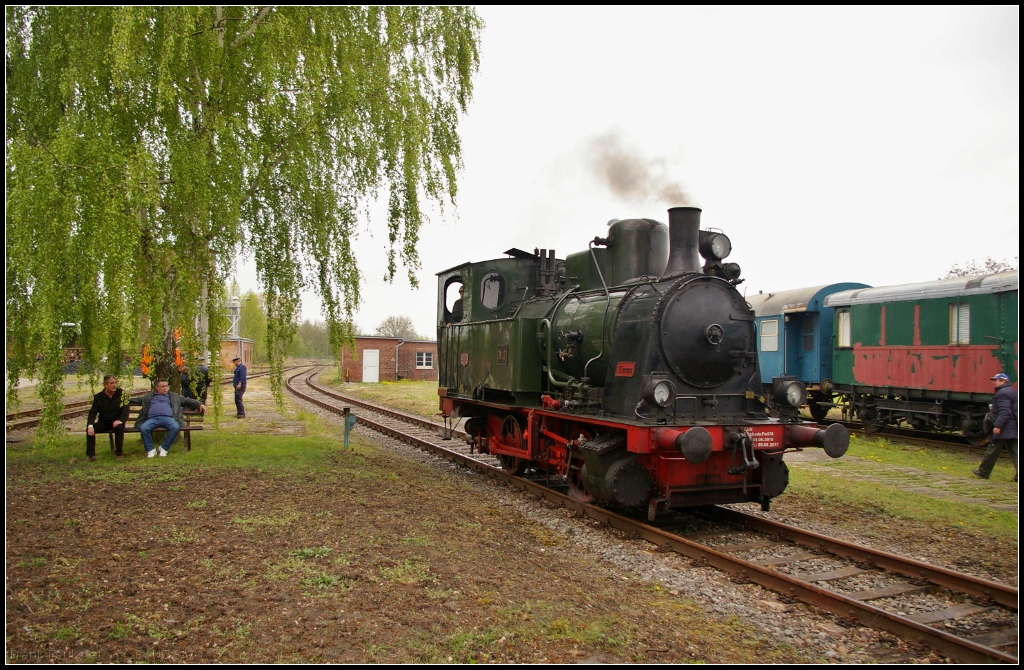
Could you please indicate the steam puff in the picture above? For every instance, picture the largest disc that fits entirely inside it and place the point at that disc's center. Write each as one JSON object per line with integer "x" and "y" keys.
{"x": 630, "y": 175}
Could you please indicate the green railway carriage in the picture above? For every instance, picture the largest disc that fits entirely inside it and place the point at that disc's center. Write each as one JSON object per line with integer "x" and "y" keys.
{"x": 924, "y": 353}
{"x": 627, "y": 371}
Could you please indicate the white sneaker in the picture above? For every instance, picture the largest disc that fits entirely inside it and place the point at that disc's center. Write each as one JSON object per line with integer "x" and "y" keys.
{"x": 151, "y": 453}
{"x": 163, "y": 452}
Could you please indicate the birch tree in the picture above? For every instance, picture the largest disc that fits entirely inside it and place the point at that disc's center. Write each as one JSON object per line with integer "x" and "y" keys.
{"x": 148, "y": 148}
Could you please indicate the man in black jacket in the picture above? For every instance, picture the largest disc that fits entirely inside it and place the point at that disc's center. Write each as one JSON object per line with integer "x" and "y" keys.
{"x": 109, "y": 412}
{"x": 202, "y": 380}
{"x": 1004, "y": 426}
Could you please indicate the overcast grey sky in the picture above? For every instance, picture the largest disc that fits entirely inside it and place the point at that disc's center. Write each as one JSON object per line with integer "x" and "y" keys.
{"x": 877, "y": 145}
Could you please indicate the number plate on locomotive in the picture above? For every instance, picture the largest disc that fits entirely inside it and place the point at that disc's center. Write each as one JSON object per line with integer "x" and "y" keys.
{"x": 766, "y": 437}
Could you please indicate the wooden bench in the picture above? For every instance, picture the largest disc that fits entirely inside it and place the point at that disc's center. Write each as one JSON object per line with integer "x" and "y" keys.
{"x": 191, "y": 417}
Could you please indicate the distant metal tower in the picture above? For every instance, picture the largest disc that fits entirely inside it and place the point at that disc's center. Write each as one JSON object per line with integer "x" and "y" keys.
{"x": 234, "y": 317}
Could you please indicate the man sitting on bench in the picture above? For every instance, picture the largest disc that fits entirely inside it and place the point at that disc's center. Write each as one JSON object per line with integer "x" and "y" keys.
{"x": 162, "y": 409}
{"x": 106, "y": 414}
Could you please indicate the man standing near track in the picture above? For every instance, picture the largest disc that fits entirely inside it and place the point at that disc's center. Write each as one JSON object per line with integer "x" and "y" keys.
{"x": 1004, "y": 426}
{"x": 239, "y": 383}
{"x": 108, "y": 413}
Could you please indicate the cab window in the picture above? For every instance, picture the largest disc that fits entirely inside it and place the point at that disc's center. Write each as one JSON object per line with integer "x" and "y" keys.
{"x": 453, "y": 305}
{"x": 492, "y": 291}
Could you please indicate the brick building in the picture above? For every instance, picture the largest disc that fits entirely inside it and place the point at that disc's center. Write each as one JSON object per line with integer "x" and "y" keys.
{"x": 379, "y": 359}
{"x": 236, "y": 346}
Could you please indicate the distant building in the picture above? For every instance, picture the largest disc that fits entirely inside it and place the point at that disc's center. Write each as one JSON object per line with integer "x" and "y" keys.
{"x": 235, "y": 346}
{"x": 390, "y": 359}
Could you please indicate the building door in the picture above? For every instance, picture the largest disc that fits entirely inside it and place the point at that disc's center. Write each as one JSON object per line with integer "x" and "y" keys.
{"x": 371, "y": 365}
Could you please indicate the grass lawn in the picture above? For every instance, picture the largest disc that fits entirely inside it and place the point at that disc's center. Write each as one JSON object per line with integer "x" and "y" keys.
{"x": 419, "y": 398}
{"x": 893, "y": 503}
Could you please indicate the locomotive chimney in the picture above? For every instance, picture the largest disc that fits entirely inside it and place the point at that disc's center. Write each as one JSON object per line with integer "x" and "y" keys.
{"x": 684, "y": 240}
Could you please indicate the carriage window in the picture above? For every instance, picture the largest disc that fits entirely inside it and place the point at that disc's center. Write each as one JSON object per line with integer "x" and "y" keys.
{"x": 492, "y": 291}
{"x": 808, "y": 333}
{"x": 960, "y": 323}
{"x": 770, "y": 335}
{"x": 453, "y": 302}
{"x": 844, "y": 327}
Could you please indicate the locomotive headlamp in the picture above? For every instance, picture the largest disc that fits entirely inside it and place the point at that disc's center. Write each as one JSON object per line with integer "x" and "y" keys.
{"x": 789, "y": 392}
{"x": 660, "y": 393}
{"x": 714, "y": 246}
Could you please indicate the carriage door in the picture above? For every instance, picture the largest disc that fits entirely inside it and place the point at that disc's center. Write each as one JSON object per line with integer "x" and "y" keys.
{"x": 371, "y": 365}
{"x": 801, "y": 348}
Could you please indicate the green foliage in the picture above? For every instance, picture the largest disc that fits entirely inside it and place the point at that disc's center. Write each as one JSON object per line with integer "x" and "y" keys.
{"x": 312, "y": 340}
{"x": 147, "y": 147}
{"x": 253, "y": 325}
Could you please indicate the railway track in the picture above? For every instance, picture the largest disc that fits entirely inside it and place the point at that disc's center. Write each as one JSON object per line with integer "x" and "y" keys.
{"x": 826, "y": 561}
{"x": 30, "y": 418}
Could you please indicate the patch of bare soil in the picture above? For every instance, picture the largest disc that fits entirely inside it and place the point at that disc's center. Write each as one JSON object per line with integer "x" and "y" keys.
{"x": 372, "y": 559}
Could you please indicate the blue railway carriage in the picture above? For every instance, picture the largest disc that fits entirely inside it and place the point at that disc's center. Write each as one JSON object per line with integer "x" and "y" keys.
{"x": 794, "y": 339}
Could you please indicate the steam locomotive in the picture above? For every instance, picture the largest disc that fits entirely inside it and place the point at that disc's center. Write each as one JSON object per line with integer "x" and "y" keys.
{"x": 628, "y": 371}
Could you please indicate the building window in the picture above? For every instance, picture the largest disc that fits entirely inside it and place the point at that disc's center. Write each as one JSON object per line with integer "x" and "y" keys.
{"x": 960, "y": 323}
{"x": 770, "y": 335}
{"x": 424, "y": 359}
{"x": 843, "y": 316}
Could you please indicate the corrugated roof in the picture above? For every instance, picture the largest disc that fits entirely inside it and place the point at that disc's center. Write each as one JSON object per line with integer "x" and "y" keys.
{"x": 941, "y": 288}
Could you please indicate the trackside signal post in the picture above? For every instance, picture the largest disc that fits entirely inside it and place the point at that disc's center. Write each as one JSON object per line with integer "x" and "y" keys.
{"x": 350, "y": 422}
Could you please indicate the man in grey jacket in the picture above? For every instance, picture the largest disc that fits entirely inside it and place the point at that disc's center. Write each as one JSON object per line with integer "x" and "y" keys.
{"x": 162, "y": 409}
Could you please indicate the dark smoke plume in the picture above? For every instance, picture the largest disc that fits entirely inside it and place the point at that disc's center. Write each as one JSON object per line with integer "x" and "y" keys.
{"x": 630, "y": 175}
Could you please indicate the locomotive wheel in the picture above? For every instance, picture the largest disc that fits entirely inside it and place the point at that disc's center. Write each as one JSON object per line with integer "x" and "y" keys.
{"x": 512, "y": 464}
{"x": 576, "y": 490}
{"x": 512, "y": 436}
